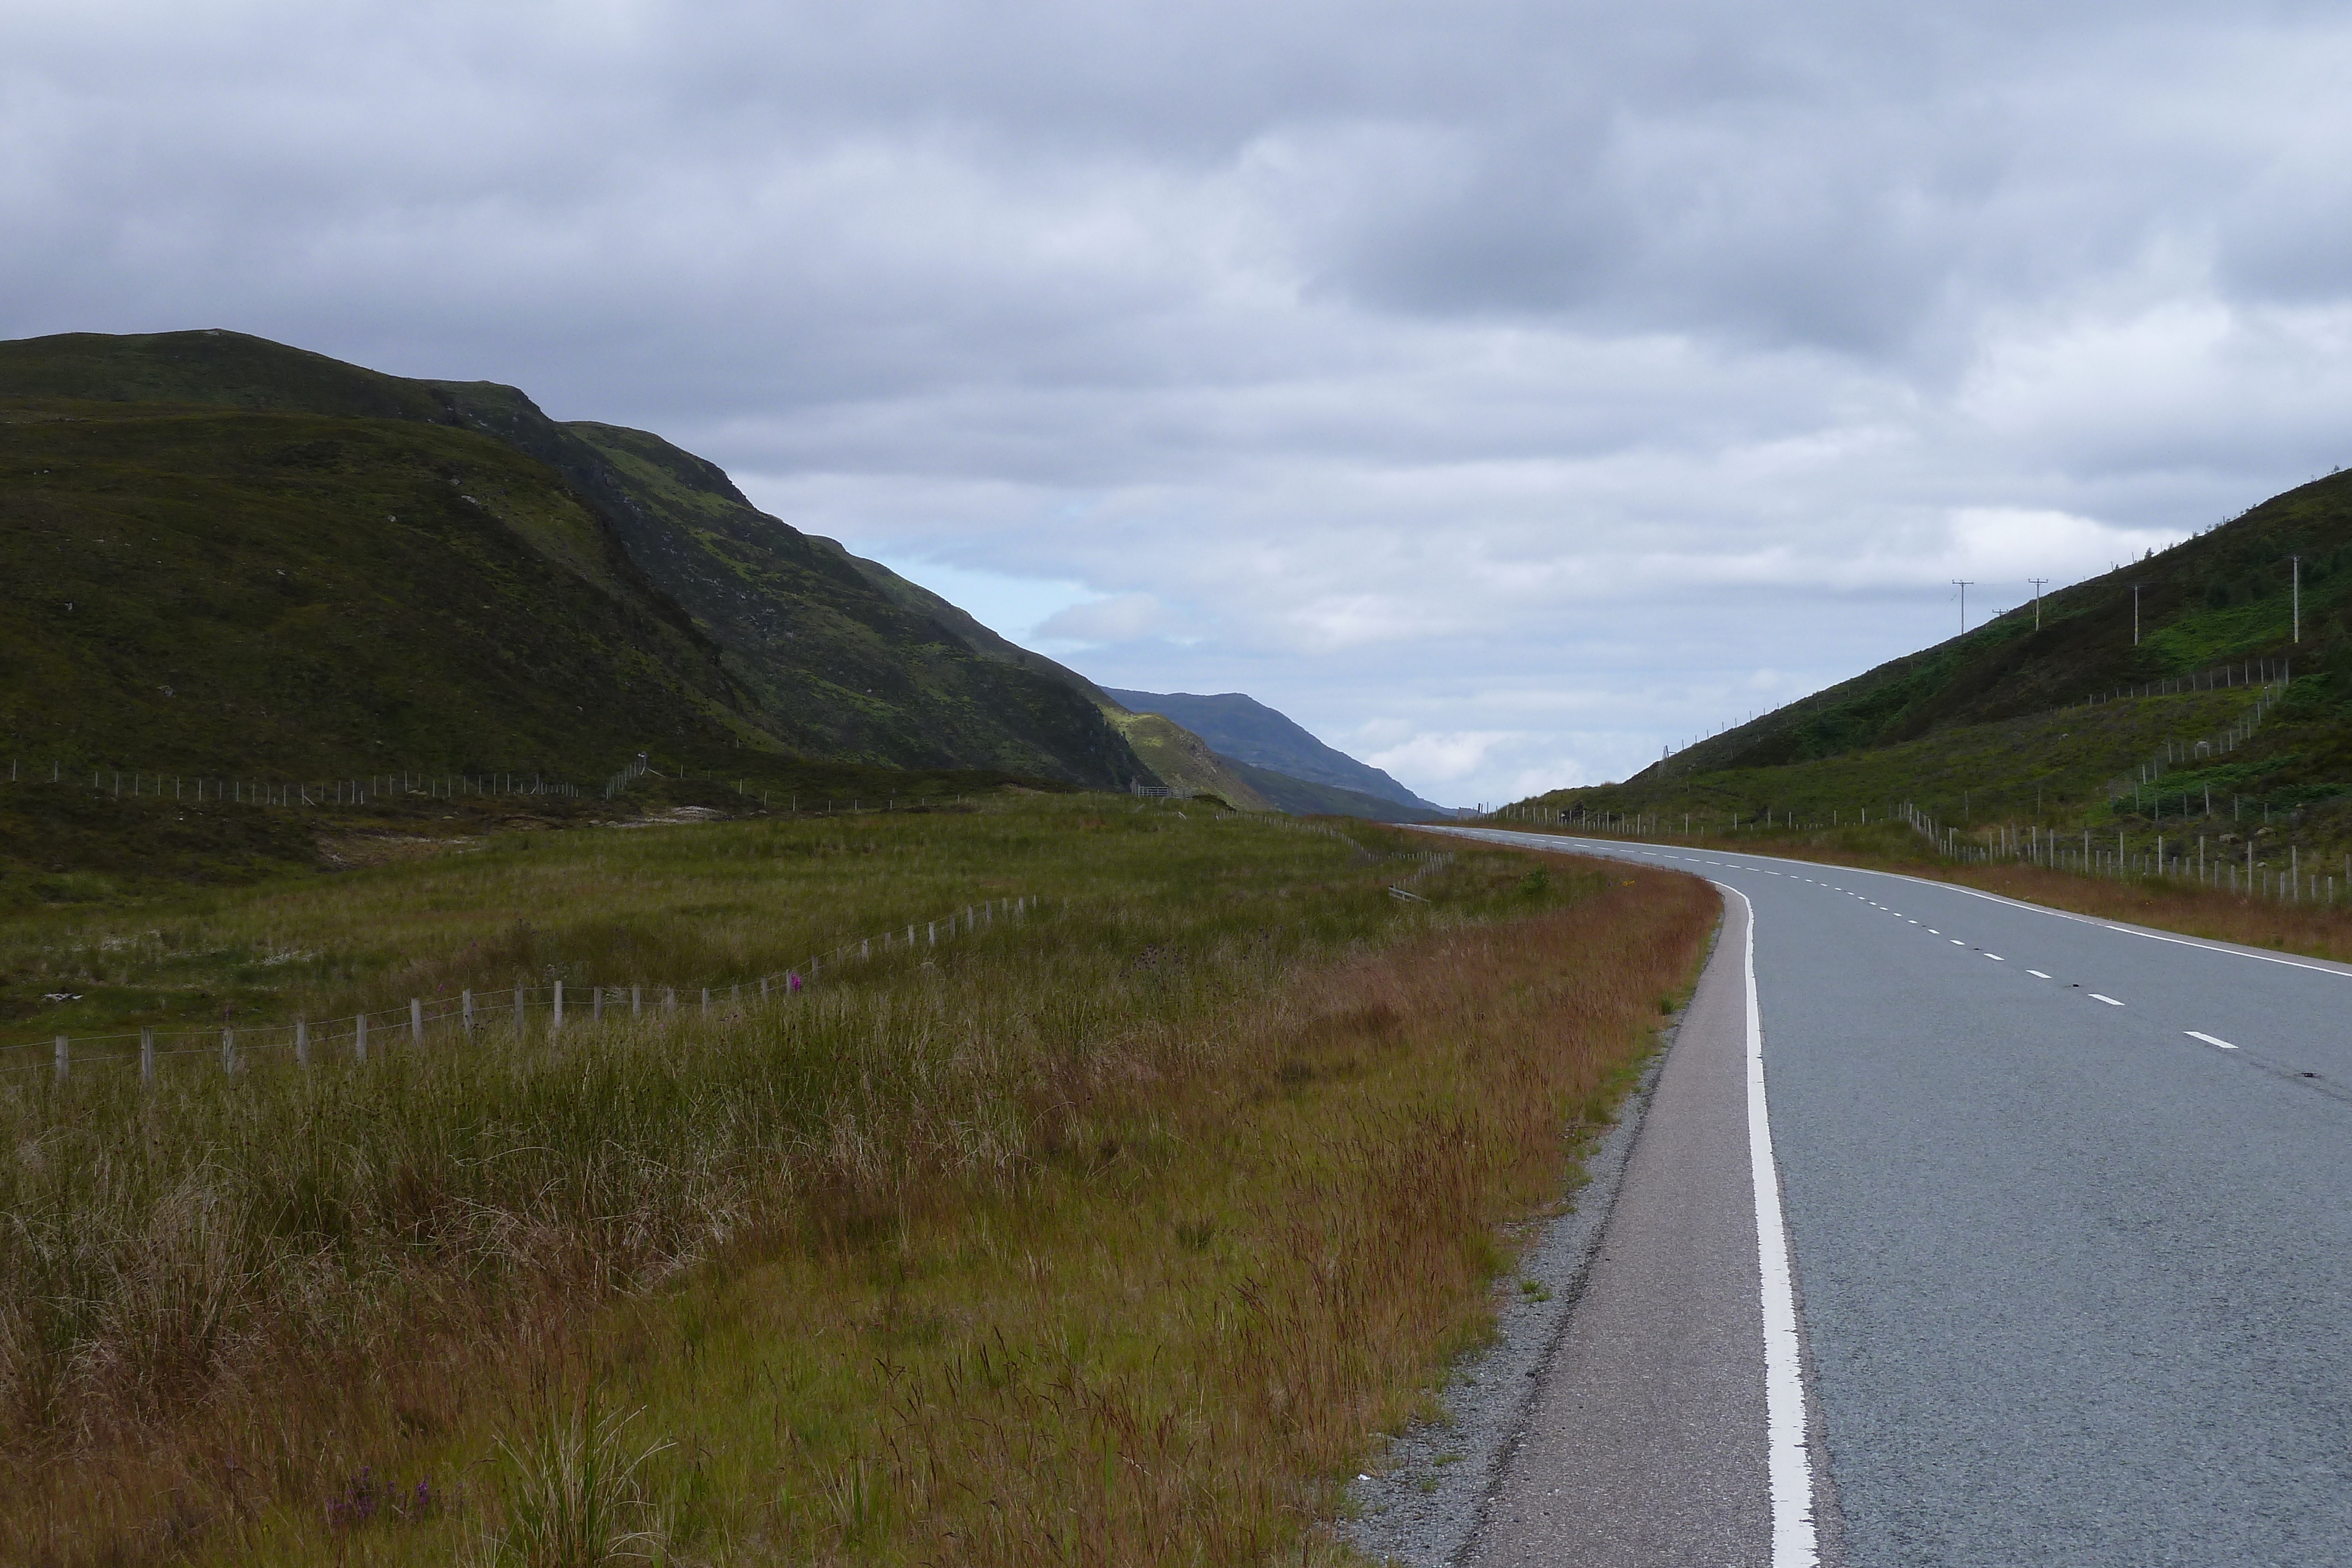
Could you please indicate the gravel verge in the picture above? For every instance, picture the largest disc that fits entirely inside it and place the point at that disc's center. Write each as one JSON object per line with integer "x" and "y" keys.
{"x": 1424, "y": 1504}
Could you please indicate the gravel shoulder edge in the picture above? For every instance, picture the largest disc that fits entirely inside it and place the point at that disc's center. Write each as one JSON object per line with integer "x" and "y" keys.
{"x": 1423, "y": 1506}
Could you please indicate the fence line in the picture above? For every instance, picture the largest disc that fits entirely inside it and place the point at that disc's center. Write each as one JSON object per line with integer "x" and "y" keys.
{"x": 357, "y": 791}
{"x": 2228, "y": 740}
{"x": 2221, "y": 678}
{"x": 2167, "y": 855}
{"x": 200, "y": 788}
{"x": 469, "y": 1012}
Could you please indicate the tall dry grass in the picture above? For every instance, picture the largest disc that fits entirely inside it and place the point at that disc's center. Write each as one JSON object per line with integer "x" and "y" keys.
{"x": 1112, "y": 1234}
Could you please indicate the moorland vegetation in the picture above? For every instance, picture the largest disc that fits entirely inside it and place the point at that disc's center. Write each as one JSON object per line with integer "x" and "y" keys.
{"x": 1117, "y": 1232}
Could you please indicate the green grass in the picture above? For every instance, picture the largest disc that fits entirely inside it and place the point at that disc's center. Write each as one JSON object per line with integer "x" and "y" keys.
{"x": 1112, "y": 1234}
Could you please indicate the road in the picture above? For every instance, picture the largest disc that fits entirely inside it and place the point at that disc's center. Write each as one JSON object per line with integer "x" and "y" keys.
{"x": 2069, "y": 1229}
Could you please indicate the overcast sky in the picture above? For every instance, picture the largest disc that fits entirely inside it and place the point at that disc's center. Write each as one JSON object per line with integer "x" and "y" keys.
{"x": 1505, "y": 390}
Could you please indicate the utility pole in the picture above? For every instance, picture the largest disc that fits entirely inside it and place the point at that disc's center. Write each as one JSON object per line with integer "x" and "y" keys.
{"x": 2134, "y": 587}
{"x": 2037, "y": 582}
{"x": 1963, "y": 587}
{"x": 2294, "y": 568}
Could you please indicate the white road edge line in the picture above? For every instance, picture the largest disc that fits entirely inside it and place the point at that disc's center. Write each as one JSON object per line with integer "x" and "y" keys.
{"x": 2201, "y": 1034}
{"x": 2109, "y": 1001}
{"x": 1789, "y": 1463}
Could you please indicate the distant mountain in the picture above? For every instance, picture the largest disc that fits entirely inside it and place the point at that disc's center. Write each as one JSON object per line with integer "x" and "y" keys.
{"x": 1302, "y": 798}
{"x": 223, "y": 551}
{"x": 1248, "y": 731}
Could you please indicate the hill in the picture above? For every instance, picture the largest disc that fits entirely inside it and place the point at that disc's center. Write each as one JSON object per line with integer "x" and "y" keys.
{"x": 1304, "y": 798}
{"x": 1182, "y": 761}
{"x": 350, "y": 566}
{"x": 2219, "y": 718}
{"x": 1248, "y": 731}
{"x": 191, "y": 588}
{"x": 2224, "y": 598}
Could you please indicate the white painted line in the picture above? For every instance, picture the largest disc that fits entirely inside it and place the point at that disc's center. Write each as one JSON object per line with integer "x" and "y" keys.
{"x": 1933, "y": 932}
{"x": 1915, "y": 923}
{"x": 1996, "y": 958}
{"x": 2109, "y": 1001}
{"x": 1788, "y": 1465}
{"x": 1953, "y": 940}
{"x": 2199, "y": 1034}
{"x": 2037, "y": 974}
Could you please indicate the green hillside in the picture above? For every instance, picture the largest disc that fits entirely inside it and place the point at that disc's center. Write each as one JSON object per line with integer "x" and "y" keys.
{"x": 204, "y": 590}
{"x": 277, "y": 559}
{"x": 1184, "y": 761}
{"x": 2219, "y": 720}
{"x": 2223, "y": 598}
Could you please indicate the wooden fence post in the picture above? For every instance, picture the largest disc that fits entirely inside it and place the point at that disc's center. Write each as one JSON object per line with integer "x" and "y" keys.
{"x": 63, "y": 1058}
{"x": 706, "y": 1001}
{"x": 358, "y": 1038}
{"x": 517, "y": 1013}
{"x": 302, "y": 1042}
{"x": 558, "y": 1024}
{"x": 466, "y": 1008}
{"x": 229, "y": 1050}
{"x": 636, "y": 1000}
{"x": 596, "y": 1004}
{"x": 669, "y": 999}
{"x": 416, "y": 1021}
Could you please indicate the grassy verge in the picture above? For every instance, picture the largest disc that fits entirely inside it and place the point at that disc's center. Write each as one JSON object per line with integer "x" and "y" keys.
{"x": 2166, "y": 904}
{"x": 1118, "y": 1235}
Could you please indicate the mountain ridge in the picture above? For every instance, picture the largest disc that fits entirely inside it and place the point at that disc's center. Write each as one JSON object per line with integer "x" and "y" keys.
{"x": 1242, "y": 727}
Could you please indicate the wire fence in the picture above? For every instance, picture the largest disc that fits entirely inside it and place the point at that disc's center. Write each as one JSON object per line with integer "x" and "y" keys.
{"x": 2142, "y": 784}
{"x": 205, "y": 789}
{"x": 471, "y": 1014}
{"x": 2231, "y": 867}
{"x": 2221, "y": 678}
{"x": 378, "y": 788}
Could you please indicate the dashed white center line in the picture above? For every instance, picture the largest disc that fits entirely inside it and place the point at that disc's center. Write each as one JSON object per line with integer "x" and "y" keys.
{"x": 1996, "y": 958}
{"x": 1955, "y": 941}
{"x": 2201, "y": 1034}
{"x": 2037, "y": 974}
{"x": 1933, "y": 932}
{"x": 2109, "y": 1001}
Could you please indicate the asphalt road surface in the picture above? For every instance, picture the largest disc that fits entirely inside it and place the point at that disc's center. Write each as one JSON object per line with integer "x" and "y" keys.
{"x": 2068, "y": 1211}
